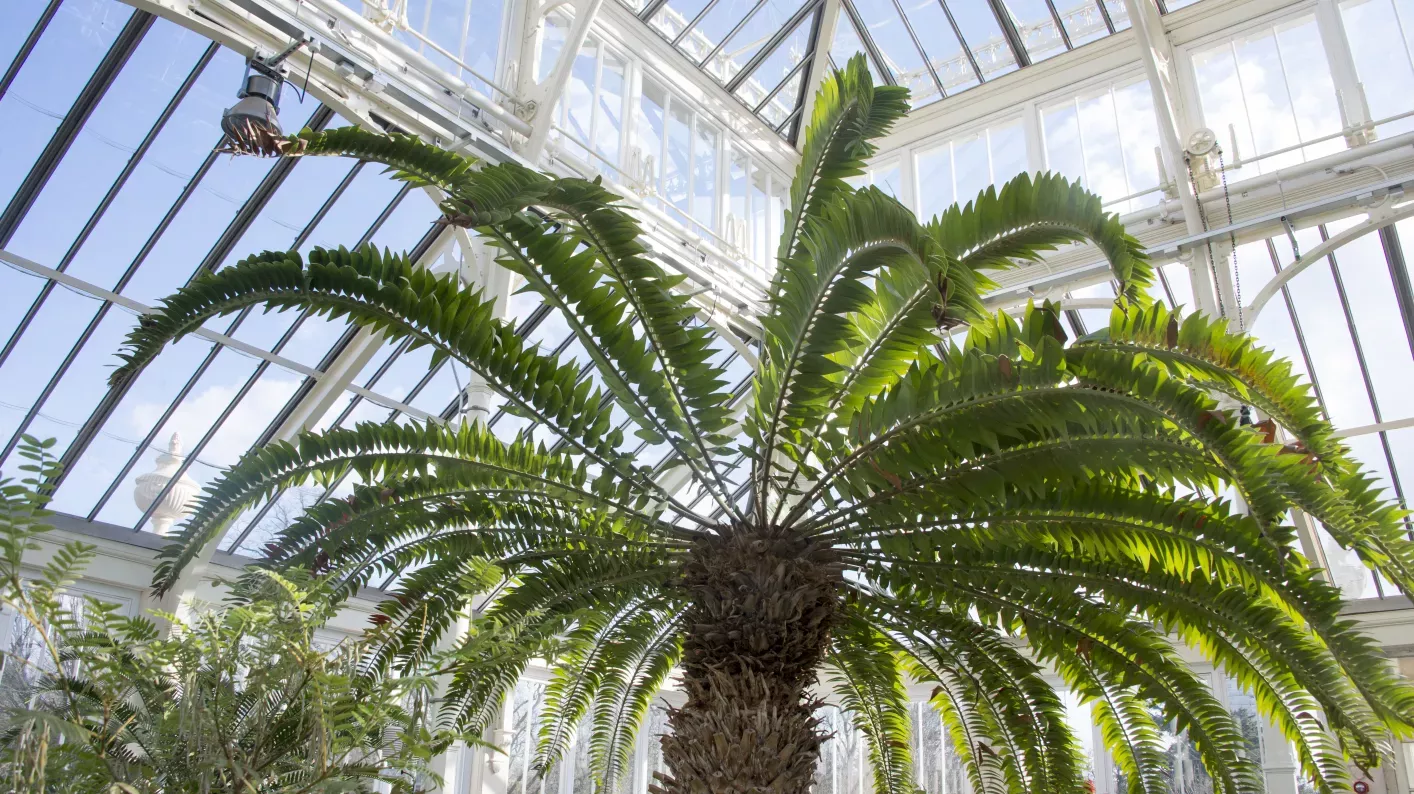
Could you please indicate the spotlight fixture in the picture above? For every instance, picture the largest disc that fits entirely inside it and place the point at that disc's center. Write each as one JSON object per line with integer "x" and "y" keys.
{"x": 252, "y": 125}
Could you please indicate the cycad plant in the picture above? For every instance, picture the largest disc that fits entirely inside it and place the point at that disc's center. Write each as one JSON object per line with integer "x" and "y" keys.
{"x": 970, "y": 513}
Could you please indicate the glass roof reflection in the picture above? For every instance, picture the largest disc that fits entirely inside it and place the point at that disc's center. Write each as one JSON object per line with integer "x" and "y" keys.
{"x": 934, "y": 47}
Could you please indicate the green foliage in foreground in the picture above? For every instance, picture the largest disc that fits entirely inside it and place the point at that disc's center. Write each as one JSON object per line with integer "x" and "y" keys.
{"x": 238, "y": 698}
{"x": 894, "y": 498}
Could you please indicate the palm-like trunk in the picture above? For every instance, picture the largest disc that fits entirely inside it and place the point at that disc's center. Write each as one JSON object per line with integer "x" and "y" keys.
{"x": 764, "y": 603}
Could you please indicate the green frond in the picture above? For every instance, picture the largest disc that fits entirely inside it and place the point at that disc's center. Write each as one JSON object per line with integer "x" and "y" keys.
{"x": 644, "y": 659}
{"x": 1028, "y": 716}
{"x": 809, "y": 322}
{"x": 1030, "y": 215}
{"x": 869, "y": 684}
{"x": 388, "y": 293}
{"x": 850, "y": 112}
{"x": 466, "y": 459}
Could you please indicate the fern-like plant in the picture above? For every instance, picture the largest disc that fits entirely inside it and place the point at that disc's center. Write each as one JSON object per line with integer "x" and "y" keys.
{"x": 239, "y": 698}
{"x": 967, "y": 513}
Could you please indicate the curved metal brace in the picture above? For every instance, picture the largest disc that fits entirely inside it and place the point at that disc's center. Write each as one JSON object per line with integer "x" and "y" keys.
{"x": 1372, "y": 224}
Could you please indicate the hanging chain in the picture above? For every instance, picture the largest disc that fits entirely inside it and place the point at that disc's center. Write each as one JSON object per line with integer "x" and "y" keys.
{"x": 1203, "y": 216}
{"x": 1232, "y": 243}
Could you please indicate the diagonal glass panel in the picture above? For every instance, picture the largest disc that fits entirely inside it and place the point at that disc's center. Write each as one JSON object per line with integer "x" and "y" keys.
{"x": 983, "y": 36}
{"x": 20, "y": 16}
{"x": 226, "y": 186}
{"x": 1037, "y": 28}
{"x": 1084, "y": 21}
{"x": 950, "y": 60}
{"x": 757, "y": 30}
{"x": 717, "y": 21}
{"x": 131, "y": 421}
{"x": 778, "y": 66}
{"x": 51, "y": 78}
{"x": 1119, "y": 14}
{"x": 113, "y": 134}
{"x": 1328, "y": 337}
{"x": 847, "y": 44}
{"x": 675, "y": 15}
{"x": 179, "y": 156}
{"x": 780, "y": 107}
{"x": 892, "y": 39}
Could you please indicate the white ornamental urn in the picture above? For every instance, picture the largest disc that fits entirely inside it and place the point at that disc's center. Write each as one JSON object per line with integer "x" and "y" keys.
{"x": 180, "y": 498}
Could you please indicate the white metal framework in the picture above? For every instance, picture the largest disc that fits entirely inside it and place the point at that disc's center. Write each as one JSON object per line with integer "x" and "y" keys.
{"x": 1293, "y": 227}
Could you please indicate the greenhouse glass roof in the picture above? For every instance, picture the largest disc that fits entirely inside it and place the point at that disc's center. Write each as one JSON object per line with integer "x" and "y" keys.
{"x": 112, "y": 195}
{"x": 760, "y": 50}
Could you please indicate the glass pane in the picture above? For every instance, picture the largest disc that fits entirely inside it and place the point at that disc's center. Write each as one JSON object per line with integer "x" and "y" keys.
{"x": 1269, "y": 90}
{"x": 147, "y": 398}
{"x": 160, "y": 177}
{"x": 1370, "y": 291}
{"x": 945, "y": 52}
{"x": 760, "y": 215}
{"x": 759, "y": 29}
{"x": 778, "y": 111}
{"x": 888, "y": 180}
{"x": 552, "y": 40}
{"x": 847, "y": 44}
{"x": 1244, "y": 708}
{"x": 983, "y": 35}
{"x": 675, "y": 15}
{"x": 1086, "y": 141}
{"x": 736, "y": 228}
{"x": 610, "y": 119}
{"x": 704, "y": 176}
{"x": 1038, "y": 30}
{"x": 901, "y": 56}
{"x": 650, "y": 131}
{"x": 1379, "y": 33}
{"x": 481, "y": 49}
{"x": 958, "y": 170}
{"x": 121, "y": 121}
{"x": 55, "y": 72}
{"x": 1119, "y": 14}
{"x": 1332, "y": 351}
{"x": 17, "y": 19}
{"x": 78, "y": 391}
{"x": 579, "y": 94}
{"x": 1077, "y": 717}
{"x": 776, "y": 67}
{"x": 936, "y": 190}
{"x": 677, "y": 169}
{"x": 1083, "y": 21}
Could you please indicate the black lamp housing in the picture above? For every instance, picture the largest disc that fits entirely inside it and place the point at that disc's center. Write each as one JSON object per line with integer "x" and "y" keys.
{"x": 252, "y": 125}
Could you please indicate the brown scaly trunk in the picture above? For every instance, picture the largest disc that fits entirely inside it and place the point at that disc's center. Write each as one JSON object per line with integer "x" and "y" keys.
{"x": 764, "y": 602}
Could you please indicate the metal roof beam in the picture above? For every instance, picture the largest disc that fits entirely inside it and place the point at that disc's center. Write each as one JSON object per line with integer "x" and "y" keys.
{"x": 28, "y": 46}
{"x": 871, "y": 49}
{"x": 1009, "y": 32}
{"x": 771, "y": 44}
{"x": 39, "y": 173}
{"x": 97, "y": 215}
{"x": 222, "y": 248}
{"x": 1399, "y": 276}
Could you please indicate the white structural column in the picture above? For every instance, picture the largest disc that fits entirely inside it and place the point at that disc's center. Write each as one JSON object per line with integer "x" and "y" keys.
{"x": 540, "y": 96}
{"x": 819, "y": 65}
{"x": 1279, "y": 766}
{"x": 1350, "y": 94}
{"x": 1175, "y": 122}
